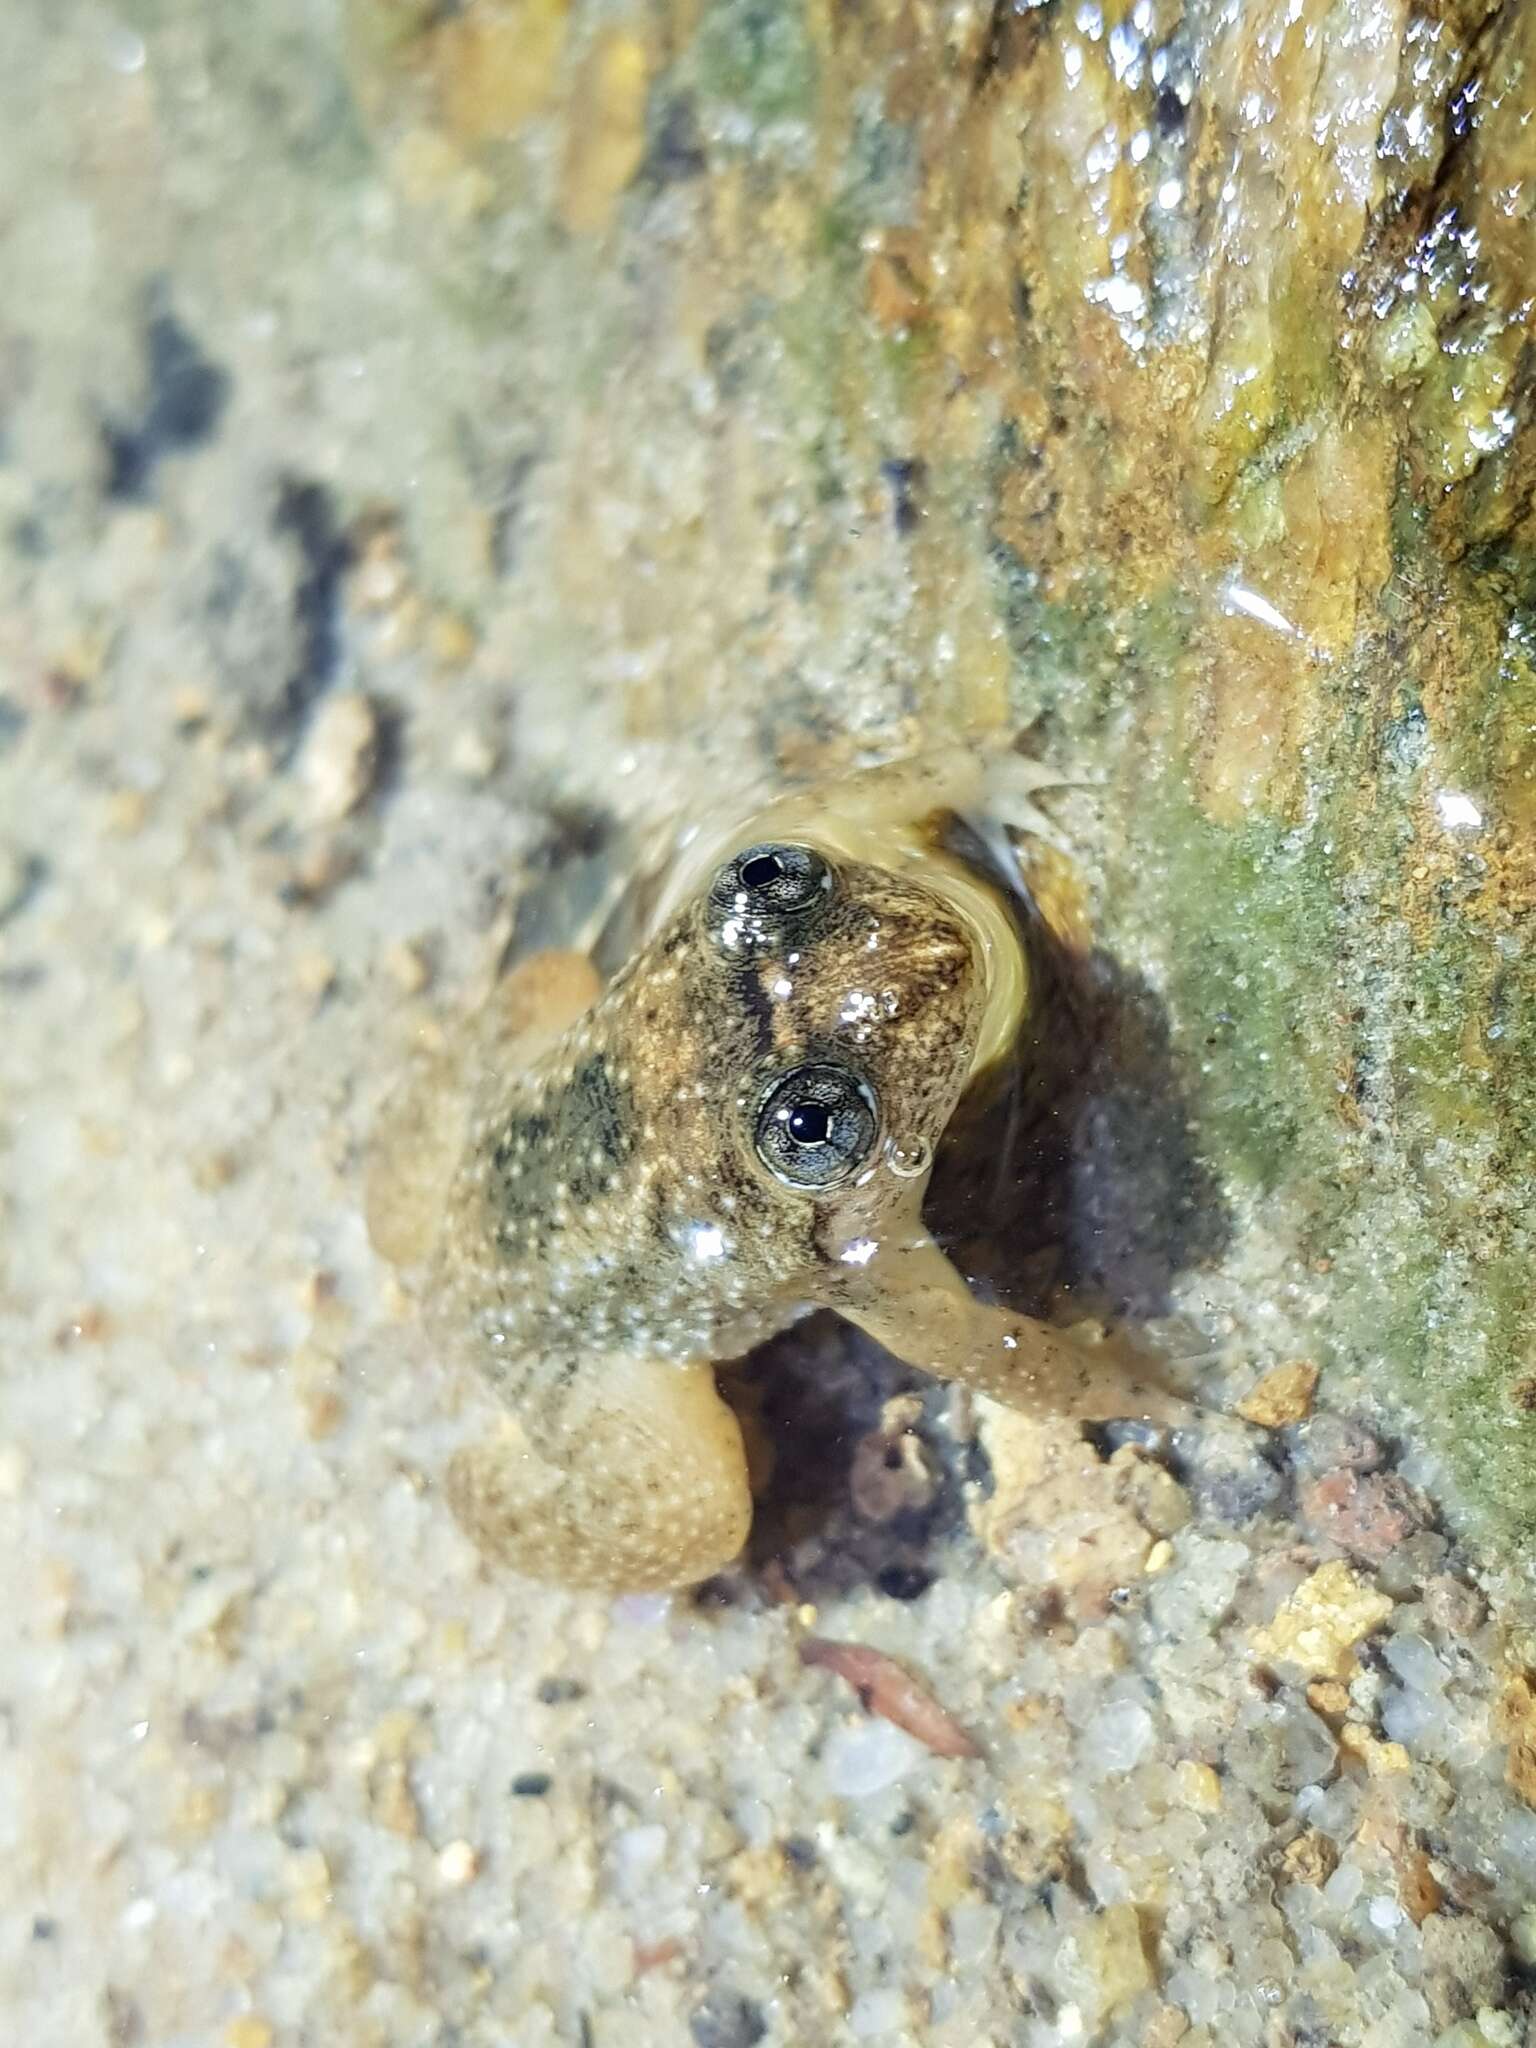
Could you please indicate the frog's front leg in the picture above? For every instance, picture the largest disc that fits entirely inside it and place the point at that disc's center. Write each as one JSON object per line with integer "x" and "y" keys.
{"x": 912, "y": 1300}
{"x": 629, "y": 1477}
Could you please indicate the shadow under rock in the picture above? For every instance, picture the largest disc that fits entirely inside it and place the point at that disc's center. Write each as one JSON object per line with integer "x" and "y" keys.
{"x": 1073, "y": 1169}
{"x": 813, "y": 1398}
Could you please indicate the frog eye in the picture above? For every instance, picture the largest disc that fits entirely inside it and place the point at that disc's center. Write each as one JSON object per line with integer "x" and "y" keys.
{"x": 766, "y": 886}
{"x": 817, "y": 1125}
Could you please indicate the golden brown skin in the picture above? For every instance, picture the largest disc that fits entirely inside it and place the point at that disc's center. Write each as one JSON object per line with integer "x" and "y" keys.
{"x": 613, "y": 1194}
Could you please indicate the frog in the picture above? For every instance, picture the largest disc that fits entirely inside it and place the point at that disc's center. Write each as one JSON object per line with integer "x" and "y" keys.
{"x": 610, "y": 1192}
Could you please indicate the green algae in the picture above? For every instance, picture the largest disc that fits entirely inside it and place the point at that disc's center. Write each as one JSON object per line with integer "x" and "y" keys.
{"x": 756, "y": 57}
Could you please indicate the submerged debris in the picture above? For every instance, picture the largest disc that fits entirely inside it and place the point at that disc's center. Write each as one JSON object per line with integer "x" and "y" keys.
{"x": 888, "y": 1689}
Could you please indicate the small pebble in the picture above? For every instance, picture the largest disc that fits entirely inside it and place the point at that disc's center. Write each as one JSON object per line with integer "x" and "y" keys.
{"x": 1230, "y": 1477}
{"x": 450, "y": 639}
{"x": 1281, "y": 1396}
{"x": 866, "y": 1758}
{"x": 127, "y": 812}
{"x": 1522, "y": 1937}
{"x": 1114, "y": 1946}
{"x": 1311, "y": 1859}
{"x": 1318, "y": 1627}
{"x": 1199, "y": 1786}
{"x": 1328, "y": 1696}
{"x": 341, "y": 757}
{"x": 248, "y": 2032}
{"x": 874, "y": 2013}
{"x": 1381, "y": 1759}
{"x": 1327, "y": 1442}
{"x": 1453, "y": 1606}
{"x": 14, "y": 1468}
{"x": 458, "y": 1863}
{"x": 471, "y": 756}
{"x": 314, "y": 974}
{"x": 726, "y": 2020}
{"x": 1366, "y": 1513}
{"x": 407, "y": 965}
{"x": 1117, "y": 1737}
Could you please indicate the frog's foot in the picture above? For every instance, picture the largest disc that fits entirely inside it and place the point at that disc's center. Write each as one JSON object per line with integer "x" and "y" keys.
{"x": 421, "y": 1129}
{"x": 912, "y": 1300}
{"x": 639, "y": 1485}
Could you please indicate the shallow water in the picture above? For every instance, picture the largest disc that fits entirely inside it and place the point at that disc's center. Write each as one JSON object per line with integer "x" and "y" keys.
{"x": 424, "y": 467}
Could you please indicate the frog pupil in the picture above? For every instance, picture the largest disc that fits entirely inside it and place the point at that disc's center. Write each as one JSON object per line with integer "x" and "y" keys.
{"x": 809, "y": 1123}
{"x": 761, "y": 869}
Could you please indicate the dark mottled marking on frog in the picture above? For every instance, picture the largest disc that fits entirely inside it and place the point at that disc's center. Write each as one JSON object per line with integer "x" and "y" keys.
{"x": 591, "y": 1115}
{"x": 755, "y": 1006}
{"x": 184, "y": 398}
